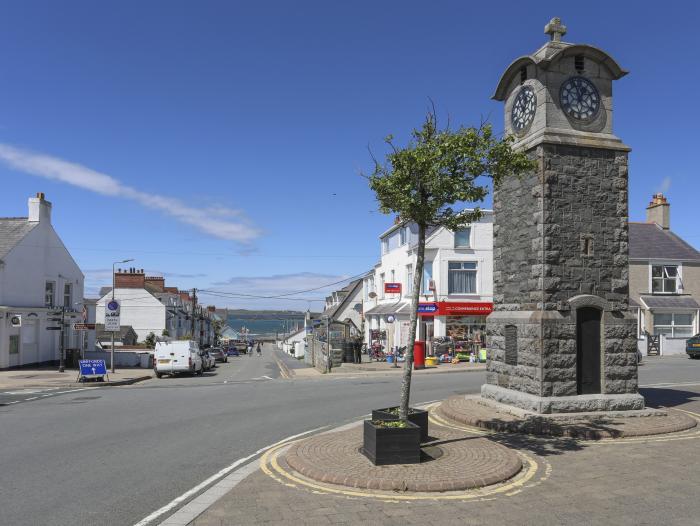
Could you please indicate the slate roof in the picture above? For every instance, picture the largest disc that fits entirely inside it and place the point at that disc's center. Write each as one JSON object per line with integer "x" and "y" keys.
{"x": 670, "y": 302}
{"x": 12, "y": 231}
{"x": 650, "y": 241}
{"x": 350, "y": 288}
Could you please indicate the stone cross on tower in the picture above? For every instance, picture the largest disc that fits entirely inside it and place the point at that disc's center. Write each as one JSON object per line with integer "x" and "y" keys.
{"x": 555, "y": 29}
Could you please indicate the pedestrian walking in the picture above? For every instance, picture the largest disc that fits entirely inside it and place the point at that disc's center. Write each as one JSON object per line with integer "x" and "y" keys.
{"x": 250, "y": 349}
{"x": 259, "y": 349}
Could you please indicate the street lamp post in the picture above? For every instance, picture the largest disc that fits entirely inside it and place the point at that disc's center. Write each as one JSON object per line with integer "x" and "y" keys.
{"x": 114, "y": 284}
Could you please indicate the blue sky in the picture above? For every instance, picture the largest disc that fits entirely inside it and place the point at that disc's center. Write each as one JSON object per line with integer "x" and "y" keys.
{"x": 220, "y": 143}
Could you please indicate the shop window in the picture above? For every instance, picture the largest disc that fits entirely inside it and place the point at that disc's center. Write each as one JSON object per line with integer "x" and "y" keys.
{"x": 511, "y": 344}
{"x": 664, "y": 278}
{"x": 462, "y": 238}
{"x": 461, "y": 277}
{"x": 673, "y": 325}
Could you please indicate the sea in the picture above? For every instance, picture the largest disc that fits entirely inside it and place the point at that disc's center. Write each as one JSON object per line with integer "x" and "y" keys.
{"x": 262, "y": 326}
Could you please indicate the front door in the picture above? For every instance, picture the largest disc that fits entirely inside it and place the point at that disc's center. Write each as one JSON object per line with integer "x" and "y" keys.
{"x": 588, "y": 350}
{"x": 14, "y": 350}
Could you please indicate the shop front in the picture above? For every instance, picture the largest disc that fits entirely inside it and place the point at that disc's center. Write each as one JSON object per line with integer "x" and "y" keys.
{"x": 461, "y": 324}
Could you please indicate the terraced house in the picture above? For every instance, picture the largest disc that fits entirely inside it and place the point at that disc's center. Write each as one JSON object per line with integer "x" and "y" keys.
{"x": 664, "y": 282}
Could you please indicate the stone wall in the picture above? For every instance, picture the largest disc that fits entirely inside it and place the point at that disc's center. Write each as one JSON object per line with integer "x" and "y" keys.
{"x": 561, "y": 233}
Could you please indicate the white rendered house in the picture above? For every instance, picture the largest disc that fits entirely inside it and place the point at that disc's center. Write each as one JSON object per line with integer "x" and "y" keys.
{"x": 38, "y": 277}
{"x": 456, "y": 287}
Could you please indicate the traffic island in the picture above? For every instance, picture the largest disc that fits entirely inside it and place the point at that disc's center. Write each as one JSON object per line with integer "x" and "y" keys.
{"x": 493, "y": 416}
{"x": 450, "y": 461}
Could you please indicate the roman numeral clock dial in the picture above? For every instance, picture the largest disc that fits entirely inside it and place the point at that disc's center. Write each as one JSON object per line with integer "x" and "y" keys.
{"x": 523, "y": 111}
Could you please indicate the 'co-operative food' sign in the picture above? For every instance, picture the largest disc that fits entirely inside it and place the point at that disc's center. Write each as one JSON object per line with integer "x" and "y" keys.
{"x": 112, "y": 313}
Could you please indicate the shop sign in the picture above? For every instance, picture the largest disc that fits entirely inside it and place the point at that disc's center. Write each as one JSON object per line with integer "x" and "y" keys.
{"x": 455, "y": 308}
{"x": 392, "y": 288}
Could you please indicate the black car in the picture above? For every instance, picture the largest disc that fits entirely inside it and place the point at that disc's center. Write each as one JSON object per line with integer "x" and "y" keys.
{"x": 692, "y": 346}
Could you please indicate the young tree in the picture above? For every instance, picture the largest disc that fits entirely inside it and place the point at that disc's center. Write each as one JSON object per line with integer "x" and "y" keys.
{"x": 424, "y": 180}
{"x": 150, "y": 340}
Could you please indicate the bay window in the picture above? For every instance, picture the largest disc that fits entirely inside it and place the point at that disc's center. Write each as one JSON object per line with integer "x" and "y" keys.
{"x": 673, "y": 324}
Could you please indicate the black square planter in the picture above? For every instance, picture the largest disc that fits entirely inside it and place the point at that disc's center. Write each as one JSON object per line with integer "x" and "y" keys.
{"x": 391, "y": 445}
{"x": 416, "y": 416}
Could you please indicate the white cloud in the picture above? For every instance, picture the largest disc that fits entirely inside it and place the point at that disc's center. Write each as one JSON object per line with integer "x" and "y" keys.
{"x": 214, "y": 221}
{"x": 665, "y": 185}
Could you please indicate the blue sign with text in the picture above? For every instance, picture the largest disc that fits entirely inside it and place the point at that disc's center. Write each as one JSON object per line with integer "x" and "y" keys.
{"x": 92, "y": 367}
{"x": 427, "y": 307}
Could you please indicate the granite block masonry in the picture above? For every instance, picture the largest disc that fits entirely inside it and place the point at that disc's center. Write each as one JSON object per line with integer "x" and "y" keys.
{"x": 561, "y": 336}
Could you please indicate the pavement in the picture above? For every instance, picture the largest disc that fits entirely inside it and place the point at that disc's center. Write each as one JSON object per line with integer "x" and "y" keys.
{"x": 143, "y": 453}
{"x": 634, "y": 481}
{"x": 44, "y": 377}
{"x": 295, "y": 368}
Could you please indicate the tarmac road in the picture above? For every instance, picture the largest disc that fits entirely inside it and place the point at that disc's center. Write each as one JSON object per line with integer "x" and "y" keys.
{"x": 113, "y": 455}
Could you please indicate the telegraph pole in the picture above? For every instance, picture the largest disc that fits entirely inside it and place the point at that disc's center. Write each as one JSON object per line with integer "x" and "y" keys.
{"x": 194, "y": 308}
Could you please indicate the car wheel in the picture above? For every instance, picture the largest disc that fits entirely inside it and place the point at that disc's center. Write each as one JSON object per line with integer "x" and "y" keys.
{"x": 159, "y": 375}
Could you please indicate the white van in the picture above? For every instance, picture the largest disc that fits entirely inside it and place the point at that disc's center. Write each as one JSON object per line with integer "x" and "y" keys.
{"x": 177, "y": 357}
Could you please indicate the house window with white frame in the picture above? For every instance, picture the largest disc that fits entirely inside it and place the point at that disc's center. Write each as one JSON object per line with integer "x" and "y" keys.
{"x": 50, "y": 295}
{"x": 409, "y": 279}
{"x": 427, "y": 276}
{"x": 463, "y": 238}
{"x": 664, "y": 279}
{"x": 461, "y": 277}
{"x": 385, "y": 246}
{"x": 673, "y": 324}
{"x": 67, "y": 295}
{"x": 382, "y": 280}
{"x": 403, "y": 235}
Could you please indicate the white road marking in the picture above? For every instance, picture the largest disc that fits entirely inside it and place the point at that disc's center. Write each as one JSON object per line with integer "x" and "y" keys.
{"x": 32, "y": 398}
{"x": 681, "y": 384}
{"x": 222, "y": 473}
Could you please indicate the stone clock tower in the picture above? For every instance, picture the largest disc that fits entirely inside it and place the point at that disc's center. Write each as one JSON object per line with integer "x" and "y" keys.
{"x": 561, "y": 336}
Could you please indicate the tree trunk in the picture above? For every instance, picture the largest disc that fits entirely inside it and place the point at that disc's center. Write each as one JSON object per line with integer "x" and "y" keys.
{"x": 415, "y": 293}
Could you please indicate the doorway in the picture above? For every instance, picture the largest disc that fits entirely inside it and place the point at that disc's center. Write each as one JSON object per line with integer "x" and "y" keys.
{"x": 588, "y": 350}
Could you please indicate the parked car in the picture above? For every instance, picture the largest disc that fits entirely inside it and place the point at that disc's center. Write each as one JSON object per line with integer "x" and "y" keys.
{"x": 692, "y": 346}
{"x": 232, "y": 351}
{"x": 208, "y": 360}
{"x": 218, "y": 354}
{"x": 177, "y": 357}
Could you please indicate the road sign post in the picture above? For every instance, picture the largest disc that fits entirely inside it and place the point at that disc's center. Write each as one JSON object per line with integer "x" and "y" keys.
{"x": 112, "y": 322}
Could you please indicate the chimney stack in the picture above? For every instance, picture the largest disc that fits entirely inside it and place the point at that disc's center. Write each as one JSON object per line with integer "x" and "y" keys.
{"x": 155, "y": 283}
{"x": 39, "y": 209}
{"x": 130, "y": 279}
{"x": 659, "y": 211}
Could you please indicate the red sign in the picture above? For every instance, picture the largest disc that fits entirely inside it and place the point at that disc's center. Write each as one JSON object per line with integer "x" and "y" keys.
{"x": 83, "y": 326}
{"x": 392, "y": 288}
{"x": 455, "y": 308}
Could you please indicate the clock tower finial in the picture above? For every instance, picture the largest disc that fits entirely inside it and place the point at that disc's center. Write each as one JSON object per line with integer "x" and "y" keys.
{"x": 555, "y": 29}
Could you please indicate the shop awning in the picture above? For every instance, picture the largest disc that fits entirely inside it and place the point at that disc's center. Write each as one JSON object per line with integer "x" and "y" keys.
{"x": 401, "y": 307}
{"x": 670, "y": 302}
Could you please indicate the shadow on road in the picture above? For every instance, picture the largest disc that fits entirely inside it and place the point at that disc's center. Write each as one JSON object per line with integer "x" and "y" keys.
{"x": 667, "y": 397}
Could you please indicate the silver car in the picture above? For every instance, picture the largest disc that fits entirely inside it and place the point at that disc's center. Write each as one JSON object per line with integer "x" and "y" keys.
{"x": 218, "y": 354}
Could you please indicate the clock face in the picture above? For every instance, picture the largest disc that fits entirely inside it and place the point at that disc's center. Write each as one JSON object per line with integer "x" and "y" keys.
{"x": 579, "y": 99}
{"x": 523, "y": 111}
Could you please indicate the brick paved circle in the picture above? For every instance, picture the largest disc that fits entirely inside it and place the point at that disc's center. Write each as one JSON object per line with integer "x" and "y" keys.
{"x": 473, "y": 412}
{"x": 467, "y": 462}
